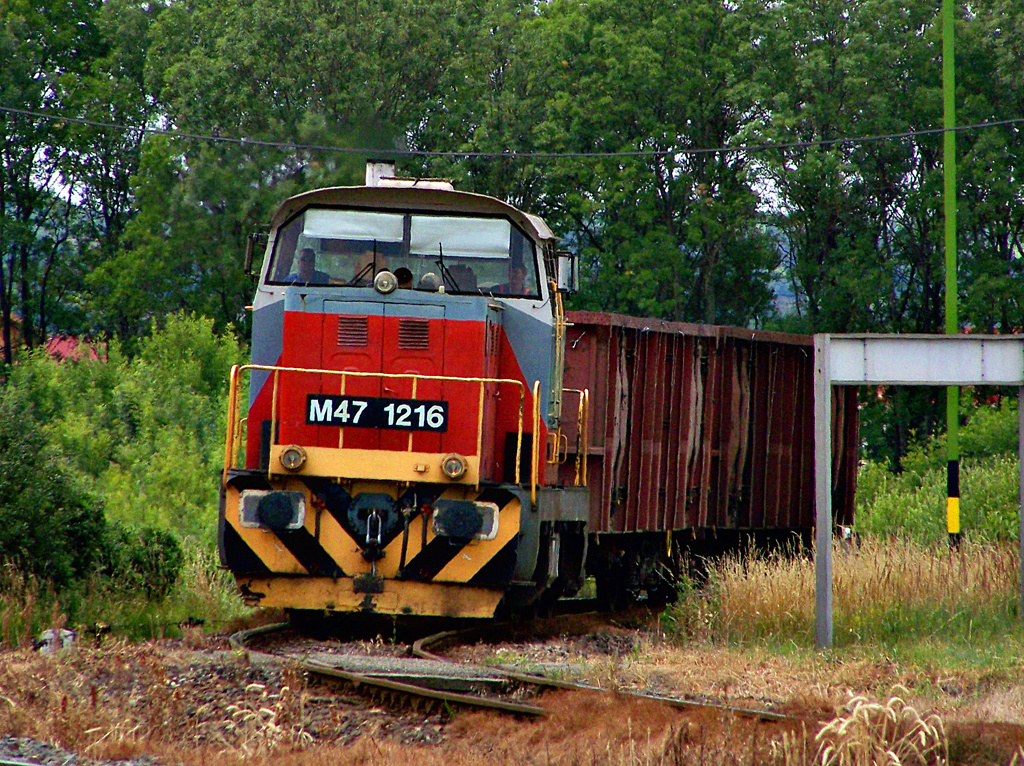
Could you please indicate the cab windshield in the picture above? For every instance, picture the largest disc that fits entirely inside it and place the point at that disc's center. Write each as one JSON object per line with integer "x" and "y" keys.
{"x": 438, "y": 253}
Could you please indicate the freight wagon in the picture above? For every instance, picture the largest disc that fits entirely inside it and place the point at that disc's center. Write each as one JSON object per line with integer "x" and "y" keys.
{"x": 700, "y": 441}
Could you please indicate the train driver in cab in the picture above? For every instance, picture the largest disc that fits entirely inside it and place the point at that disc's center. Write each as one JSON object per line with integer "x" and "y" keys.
{"x": 516, "y": 284}
{"x": 307, "y": 272}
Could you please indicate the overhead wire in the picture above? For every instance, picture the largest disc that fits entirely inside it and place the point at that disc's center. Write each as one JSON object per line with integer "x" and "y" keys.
{"x": 675, "y": 151}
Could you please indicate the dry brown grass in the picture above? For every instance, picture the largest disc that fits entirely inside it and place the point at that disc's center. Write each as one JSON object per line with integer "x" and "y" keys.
{"x": 125, "y": 700}
{"x": 873, "y": 733}
{"x": 880, "y": 589}
{"x": 121, "y": 699}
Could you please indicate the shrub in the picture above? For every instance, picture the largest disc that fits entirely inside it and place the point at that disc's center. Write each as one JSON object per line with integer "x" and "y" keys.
{"x": 145, "y": 434}
{"x": 144, "y": 560}
{"x": 913, "y": 504}
{"x": 49, "y": 526}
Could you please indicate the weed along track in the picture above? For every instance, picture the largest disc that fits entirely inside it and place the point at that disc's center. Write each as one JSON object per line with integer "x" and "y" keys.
{"x": 427, "y": 672}
{"x": 605, "y": 690}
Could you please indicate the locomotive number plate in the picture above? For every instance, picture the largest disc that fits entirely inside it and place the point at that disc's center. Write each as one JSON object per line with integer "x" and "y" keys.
{"x": 376, "y": 412}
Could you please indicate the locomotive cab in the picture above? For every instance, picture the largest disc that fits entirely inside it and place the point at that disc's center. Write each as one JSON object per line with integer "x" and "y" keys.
{"x": 403, "y": 409}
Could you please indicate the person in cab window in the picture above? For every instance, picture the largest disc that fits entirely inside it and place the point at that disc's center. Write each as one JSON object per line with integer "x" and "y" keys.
{"x": 516, "y": 284}
{"x": 307, "y": 273}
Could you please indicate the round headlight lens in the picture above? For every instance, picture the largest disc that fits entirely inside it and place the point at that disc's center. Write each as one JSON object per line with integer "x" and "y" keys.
{"x": 454, "y": 466}
{"x": 293, "y": 457}
{"x": 385, "y": 282}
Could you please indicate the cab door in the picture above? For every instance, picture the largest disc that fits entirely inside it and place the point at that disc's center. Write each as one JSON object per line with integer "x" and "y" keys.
{"x": 353, "y": 341}
{"x": 388, "y": 339}
{"x": 413, "y": 344}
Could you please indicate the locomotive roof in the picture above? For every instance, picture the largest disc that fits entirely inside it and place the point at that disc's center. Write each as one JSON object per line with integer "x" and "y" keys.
{"x": 412, "y": 199}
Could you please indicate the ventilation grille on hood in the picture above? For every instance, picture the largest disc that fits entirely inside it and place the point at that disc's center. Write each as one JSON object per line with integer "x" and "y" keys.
{"x": 353, "y": 331}
{"x": 413, "y": 334}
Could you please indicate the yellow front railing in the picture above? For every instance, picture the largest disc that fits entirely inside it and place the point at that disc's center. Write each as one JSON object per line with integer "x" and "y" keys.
{"x": 236, "y": 424}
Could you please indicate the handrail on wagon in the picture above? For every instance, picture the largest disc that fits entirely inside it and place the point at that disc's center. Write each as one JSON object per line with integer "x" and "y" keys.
{"x": 582, "y": 434}
{"x": 232, "y": 442}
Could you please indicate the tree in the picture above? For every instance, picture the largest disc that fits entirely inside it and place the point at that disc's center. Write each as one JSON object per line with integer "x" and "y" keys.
{"x": 64, "y": 196}
{"x": 991, "y": 169}
{"x": 38, "y": 43}
{"x": 666, "y": 229}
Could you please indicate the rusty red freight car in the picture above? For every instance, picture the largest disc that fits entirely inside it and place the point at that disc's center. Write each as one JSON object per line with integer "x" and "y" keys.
{"x": 700, "y": 439}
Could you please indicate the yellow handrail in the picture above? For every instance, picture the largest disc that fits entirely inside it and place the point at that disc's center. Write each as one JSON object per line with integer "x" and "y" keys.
{"x": 582, "y": 433}
{"x": 535, "y": 451}
{"x": 233, "y": 435}
{"x": 230, "y": 445}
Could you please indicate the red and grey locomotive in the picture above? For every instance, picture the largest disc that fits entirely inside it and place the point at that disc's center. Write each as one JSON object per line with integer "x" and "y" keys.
{"x": 409, "y": 445}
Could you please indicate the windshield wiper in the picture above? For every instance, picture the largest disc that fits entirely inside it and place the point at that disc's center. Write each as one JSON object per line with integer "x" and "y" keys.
{"x": 446, "y": 275}
{"x": 371, "y": 267}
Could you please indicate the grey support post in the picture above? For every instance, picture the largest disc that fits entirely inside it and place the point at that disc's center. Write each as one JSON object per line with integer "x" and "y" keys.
{"x": 822, "y": 494}
{"x": 899, "y": 360}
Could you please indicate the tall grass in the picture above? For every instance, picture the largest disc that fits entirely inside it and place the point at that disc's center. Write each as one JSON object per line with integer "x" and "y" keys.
{"x": 203, "y": 592}
{"x": 884, "y": 591}
{"x": 27, "y": 607}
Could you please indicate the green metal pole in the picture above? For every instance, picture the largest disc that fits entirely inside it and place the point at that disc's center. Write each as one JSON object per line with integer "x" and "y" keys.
{"x": 952, "y": 323}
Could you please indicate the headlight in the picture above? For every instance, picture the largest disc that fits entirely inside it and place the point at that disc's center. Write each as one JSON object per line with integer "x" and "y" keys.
{"x": 293, "y": 457}
{"x": 272, "y": 509}
{"x": 465, "y": 519}
{"x": 385, "y": 282}
{"x": 454, "y": 466}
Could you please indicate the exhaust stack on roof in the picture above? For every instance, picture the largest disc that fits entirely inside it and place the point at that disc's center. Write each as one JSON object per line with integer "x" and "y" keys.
{"x": 382, "y": 173}
{"x": 377, "y": 170}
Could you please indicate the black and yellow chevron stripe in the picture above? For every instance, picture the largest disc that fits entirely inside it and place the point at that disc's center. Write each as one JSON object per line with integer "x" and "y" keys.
{"x": 318, "y": 566}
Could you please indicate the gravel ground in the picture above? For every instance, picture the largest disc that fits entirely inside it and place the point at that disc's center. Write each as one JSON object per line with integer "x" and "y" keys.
{"x": 29, "y": 752}
{"x": 185, "y": 700}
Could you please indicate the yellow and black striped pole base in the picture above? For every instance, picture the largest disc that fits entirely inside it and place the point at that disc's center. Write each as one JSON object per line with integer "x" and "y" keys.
{"x": 953, "y": 502}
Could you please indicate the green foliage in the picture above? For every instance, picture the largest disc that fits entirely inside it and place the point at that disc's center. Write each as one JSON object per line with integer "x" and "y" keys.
{"x": 146, "y": 433}
{"x": 142, "y": 560}
{"x": 139, "y": 437}
{"x": 913, "y": 502}
{"x": 78, "y": 59}
{"x": 991, "y": 428}
{"x": 49, "y": 526}
{"x": 666, "y": 224}
{"x": 202, "y": 590}
{"x": 672, "y": 235}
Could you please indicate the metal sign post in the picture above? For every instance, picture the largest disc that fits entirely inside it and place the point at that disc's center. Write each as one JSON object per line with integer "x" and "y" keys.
{"x": 898, "y": 360}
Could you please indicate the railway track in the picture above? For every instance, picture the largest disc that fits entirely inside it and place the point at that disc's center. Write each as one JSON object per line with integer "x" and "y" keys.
{"x": 441, "y": 680}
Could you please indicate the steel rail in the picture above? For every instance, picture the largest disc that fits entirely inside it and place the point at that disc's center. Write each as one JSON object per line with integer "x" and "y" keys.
{"x": 420, "y": 650}
{"x": 422, "y": 691}
{"x": 238, "y": 640}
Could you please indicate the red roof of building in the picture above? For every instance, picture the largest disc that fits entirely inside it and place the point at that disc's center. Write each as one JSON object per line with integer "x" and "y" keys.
{"x": 62, "y": 347}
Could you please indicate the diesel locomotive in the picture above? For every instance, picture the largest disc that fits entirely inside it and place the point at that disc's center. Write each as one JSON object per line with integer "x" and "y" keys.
{"x": 424, "y": 430}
